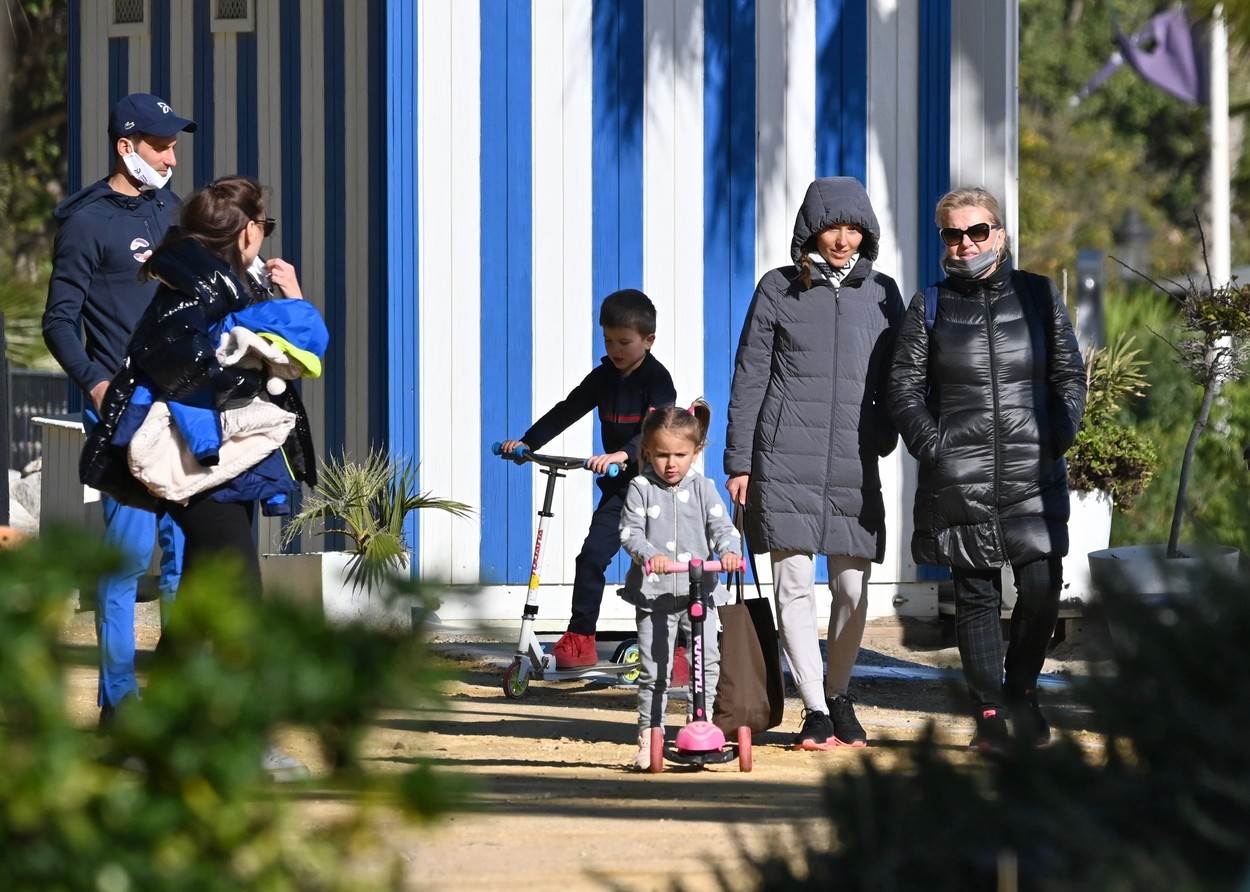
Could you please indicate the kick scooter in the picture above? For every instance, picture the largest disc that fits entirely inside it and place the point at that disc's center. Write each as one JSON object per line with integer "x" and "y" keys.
{"x": 700, "y": 742}
{"x": 530, "y": 659}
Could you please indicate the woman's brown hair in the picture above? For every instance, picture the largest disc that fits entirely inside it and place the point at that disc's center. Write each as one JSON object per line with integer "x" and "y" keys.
{"x": 215, "y": 215}
{"x": 692, "y": 422}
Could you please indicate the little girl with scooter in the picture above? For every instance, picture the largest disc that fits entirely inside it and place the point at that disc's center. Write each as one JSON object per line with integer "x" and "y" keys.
{"x": 672, "y": 514}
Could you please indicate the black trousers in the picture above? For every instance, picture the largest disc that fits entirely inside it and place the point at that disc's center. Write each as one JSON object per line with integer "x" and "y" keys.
{"x": 603, "y": 541}
{"x": 219, "y": 529}
{"x": 978, "y": 606}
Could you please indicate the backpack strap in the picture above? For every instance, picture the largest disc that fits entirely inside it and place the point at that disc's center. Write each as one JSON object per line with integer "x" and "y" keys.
{"x": 930, "y": 307}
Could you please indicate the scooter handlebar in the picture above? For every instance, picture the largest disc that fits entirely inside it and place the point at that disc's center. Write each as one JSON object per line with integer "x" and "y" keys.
{"x": 684, "y": 566}
{"x": 522, "y": 454}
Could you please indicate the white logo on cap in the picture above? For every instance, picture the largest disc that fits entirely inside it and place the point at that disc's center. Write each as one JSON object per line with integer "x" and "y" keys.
{"x": 130, "y": 125}
{"x": 165, "y": 108}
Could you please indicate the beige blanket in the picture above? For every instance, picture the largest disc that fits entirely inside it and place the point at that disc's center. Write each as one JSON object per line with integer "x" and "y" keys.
{"x": 160, "y": 460}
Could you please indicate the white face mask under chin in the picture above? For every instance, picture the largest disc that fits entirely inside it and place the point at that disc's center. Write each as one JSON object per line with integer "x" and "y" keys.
{"x": 145, "y": 173}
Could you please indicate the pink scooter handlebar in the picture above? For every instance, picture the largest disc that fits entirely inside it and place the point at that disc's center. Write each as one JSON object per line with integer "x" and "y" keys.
{"x": 684, "y": 567}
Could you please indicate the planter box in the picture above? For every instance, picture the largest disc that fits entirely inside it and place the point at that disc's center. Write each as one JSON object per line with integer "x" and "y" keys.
{"x": 1146, "y": 571}
{"x": 1089, "y": 529}
{"x": 319, "y": 580}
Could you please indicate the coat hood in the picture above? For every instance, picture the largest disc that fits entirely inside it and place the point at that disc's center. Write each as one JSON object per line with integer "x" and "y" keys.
{"x": 833, "y": 200}
{"x": 101, "y": 191}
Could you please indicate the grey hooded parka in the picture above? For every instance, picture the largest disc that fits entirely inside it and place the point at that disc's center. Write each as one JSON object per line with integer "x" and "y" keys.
{"x": 807, "y": 413}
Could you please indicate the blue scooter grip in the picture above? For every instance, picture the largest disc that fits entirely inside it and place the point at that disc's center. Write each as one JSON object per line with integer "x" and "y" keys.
{"x": 612, "y": 471}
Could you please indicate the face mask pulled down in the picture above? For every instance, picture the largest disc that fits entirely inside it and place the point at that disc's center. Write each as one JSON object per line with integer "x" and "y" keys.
{"x": 145, "y": 173}
{"x": 974, "y": 267}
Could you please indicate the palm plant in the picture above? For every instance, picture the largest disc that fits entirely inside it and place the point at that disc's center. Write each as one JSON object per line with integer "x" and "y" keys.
{"x": 368, "y": 502}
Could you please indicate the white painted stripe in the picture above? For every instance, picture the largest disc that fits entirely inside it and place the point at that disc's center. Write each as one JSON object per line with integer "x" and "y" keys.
{"x": 577, "y": 350}
{"x": 225, "y": 104}
{"x": 800, "y": 152}
{"x": 772, "y": 228}
{"x": 139, "y": 75}
{"x": 96, "y": 152}
{"x": 182, "y": 87}
{"x": 465, "y": 417}
{"x": 687, "y": 205}
{"x": 312, "y": 176}
{"x": 893, "y": 57}
{"x": 448, "y": 135}
{"x": 268, "y": 88}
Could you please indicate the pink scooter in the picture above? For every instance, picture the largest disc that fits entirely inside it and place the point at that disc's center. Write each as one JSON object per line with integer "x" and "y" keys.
{"x": 700, "y": 742}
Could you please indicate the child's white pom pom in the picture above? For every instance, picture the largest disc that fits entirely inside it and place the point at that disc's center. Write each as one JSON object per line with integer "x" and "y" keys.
{"x": 276, "y": 386}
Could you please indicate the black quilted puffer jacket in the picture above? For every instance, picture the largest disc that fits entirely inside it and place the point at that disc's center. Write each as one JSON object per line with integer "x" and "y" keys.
{"x": 989, "y": 401}
{"x": 807, "y": 416}
{"x": 173, "y": 352}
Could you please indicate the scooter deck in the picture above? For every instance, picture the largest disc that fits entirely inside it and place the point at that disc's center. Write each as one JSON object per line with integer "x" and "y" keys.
{"x": 715, "y": 757}
{"x": 583, "y": 671}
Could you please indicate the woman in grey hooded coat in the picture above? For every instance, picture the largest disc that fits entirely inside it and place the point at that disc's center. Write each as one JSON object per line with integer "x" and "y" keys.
{"x": 807, "y": 424}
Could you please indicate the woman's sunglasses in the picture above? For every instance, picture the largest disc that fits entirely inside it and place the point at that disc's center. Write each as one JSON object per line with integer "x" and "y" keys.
{"x": 953, "y": 236}
{"x": 270, "y": 222}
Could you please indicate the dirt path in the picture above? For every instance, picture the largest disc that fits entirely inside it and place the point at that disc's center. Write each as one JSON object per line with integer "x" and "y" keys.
{"x": 554, "y": 805}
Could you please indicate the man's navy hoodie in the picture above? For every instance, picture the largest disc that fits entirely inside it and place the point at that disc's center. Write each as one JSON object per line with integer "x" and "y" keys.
{"x": 103, "y": 240}
{"x": 622, "y": 402}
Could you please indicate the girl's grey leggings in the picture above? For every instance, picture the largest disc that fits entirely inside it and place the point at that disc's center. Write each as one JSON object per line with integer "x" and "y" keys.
{"x": 657, "y": 638}
{"x": 794, "y": 582}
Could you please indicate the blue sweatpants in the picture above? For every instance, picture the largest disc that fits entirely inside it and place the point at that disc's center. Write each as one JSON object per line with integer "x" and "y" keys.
{"x": 133, "y": 532}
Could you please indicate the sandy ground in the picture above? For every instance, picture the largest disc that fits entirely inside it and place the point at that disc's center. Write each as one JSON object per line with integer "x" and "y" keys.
{"x": 556, "y": 807}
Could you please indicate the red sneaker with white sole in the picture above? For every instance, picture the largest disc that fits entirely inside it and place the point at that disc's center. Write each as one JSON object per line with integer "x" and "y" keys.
{"x": 574, "y": 650}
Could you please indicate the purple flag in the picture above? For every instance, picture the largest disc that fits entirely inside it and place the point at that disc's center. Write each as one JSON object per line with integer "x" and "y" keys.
{"x": 1162, "y": 52}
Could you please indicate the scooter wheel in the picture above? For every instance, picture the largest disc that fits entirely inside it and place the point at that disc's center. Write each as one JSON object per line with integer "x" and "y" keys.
{"x": 744, "y": 749}
{"x": 629, "y": 655}
{"x": 515, "y": 681}
{"x": 657, "y": 750}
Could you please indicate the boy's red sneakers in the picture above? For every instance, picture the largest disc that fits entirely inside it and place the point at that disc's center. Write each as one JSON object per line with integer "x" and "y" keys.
{"x": 681, "y": 669}
{"x": 573, "y": 651}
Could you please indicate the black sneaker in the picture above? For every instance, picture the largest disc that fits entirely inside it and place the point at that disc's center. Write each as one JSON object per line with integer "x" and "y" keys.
{"x": 1027, "y": 722}
{"x": 816, "y": 733}
{"x": 847, "y": 730}
{"x": 991, "y": 736}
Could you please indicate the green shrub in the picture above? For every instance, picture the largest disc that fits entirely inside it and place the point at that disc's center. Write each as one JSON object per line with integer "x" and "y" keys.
{"x": 76, "y": 814}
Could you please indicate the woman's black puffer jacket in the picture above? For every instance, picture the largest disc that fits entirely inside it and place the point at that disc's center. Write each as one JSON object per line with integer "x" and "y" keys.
{"x": 989, "y": 401}
{"x": 173, "y": 352}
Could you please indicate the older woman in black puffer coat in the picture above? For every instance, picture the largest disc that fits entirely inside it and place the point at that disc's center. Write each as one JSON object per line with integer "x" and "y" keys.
{"x": 987, "y": 389}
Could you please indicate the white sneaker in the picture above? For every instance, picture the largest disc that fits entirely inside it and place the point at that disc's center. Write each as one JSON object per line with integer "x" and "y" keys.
{"x": 642, "y": 758}
{"x": 282, "y": 768}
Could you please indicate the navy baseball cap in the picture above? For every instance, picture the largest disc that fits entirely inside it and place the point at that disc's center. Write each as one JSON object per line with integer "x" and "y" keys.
{"x": 145, "y": 113}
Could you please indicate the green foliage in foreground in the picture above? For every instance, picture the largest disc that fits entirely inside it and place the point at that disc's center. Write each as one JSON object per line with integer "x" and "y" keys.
{"x": 1165, "y": 806}
{"x": 173, "y": 796}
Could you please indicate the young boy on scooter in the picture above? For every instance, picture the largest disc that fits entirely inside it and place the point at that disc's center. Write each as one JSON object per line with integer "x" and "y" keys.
{"x": 672, "y": 514}
{"x": 626, "y": 383}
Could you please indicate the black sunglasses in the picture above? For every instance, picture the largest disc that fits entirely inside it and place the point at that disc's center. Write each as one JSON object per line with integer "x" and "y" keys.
{"x": 268, "y": 223}
{"x": 978, "y": 233}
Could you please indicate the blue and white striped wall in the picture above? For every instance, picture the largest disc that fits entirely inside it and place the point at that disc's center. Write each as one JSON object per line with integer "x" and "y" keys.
{"x": 461, "y": 182}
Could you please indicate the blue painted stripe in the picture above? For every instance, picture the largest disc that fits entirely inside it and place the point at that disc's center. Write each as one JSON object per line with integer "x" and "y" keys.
{"x": 842, "y": 88}
{"x": 402, "y": 239}
{"x": 933, "y": 134}
{"x": 507, "y": 281}
{"x": 378, "y": 189}
{"x": 119, "y": 68}
{"x": 292, "y": 126}
{"x": 335, "y": 234}
{"x": 728, "y": 198}
{"x": 202, "y": 62}
{"x": 616, "y": 170}
{"x": 933, "y": 131}
{"x": 73, "y": 98}
{"x": 161, "y": 39}
{"x": 247, "y": 134}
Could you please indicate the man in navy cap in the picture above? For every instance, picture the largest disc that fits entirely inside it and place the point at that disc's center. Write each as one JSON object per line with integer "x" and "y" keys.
{"x": 107, "y": 230}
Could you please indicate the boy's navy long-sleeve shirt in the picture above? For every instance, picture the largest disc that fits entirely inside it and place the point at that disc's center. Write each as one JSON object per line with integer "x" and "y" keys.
{"x": 104, "y": 238}
{"x": 622, "y": 401}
